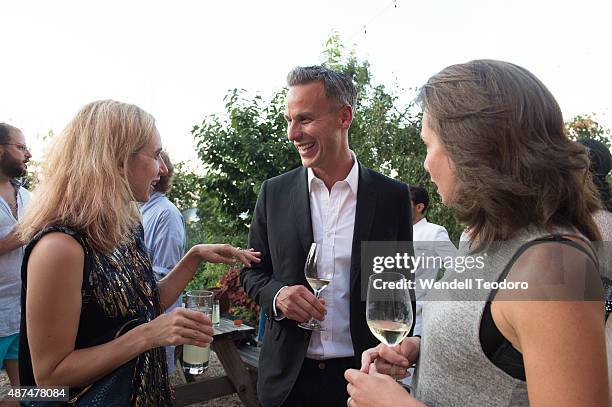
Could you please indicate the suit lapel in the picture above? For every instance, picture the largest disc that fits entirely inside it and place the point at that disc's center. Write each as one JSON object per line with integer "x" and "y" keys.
{"x": 300, "y": 204}
{"x": 364, "y": 217}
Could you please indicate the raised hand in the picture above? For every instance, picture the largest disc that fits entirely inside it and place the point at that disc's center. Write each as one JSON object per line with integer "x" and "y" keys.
{"x": 227, "y": 254}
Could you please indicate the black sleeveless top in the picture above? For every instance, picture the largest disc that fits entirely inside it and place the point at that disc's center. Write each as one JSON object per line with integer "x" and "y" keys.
{"x": 117, "y": 287}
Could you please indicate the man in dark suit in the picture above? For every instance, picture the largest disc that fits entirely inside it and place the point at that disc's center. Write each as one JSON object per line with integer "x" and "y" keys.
{"x": 337, "y": 202}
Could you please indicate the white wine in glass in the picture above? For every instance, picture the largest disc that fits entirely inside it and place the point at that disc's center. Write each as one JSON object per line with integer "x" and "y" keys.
{"x": 318, "y": 283}
{"x": 318, "y": 278}
{"x": 388, "y": 310}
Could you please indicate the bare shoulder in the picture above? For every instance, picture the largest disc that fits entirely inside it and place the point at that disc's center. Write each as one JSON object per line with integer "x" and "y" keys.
{"x": 57, "y": 251}
{"x": 563, "y": 293}
{"x": 57, "y": 241}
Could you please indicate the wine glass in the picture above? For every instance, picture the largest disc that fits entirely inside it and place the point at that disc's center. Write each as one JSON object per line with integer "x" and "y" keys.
{"x": 388, "y": 309}
{"x": 318, "y": 278}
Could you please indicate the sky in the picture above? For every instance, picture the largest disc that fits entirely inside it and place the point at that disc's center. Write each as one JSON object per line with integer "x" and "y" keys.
{"x": 177, "y": 59}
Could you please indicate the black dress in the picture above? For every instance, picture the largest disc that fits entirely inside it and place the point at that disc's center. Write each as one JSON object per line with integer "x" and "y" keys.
{"x": 117, "y": 287}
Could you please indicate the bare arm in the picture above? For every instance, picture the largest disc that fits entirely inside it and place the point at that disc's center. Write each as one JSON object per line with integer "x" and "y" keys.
{"x": 171, "y": 286}
{"x": 560, "y": 336}
{"x": 9, "y": 242}
{"x": 53, "y": 298}
{"x": 563, "y": 347}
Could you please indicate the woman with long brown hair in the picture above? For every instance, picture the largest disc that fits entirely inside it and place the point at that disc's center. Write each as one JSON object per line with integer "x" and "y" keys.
{"x": 499, "y": 156}
{"x": 86, "y": 275}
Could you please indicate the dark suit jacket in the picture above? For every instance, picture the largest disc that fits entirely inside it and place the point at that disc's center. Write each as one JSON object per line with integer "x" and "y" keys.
{"x": 282, "y": 231}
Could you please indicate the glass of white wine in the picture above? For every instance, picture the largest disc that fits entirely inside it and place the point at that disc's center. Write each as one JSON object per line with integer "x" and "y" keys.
{"x": 195, "y": 358}
{"x": 318, "y": 278}
{"x": 388, "y": 309}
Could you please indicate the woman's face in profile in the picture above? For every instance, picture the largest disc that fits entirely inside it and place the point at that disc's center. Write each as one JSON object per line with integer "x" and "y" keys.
{"x": 437, "y": 163}
{"x": 145, "y": 168}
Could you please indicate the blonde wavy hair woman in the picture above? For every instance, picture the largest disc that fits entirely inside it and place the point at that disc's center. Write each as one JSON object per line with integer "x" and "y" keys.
{"x": 86, "y": 271}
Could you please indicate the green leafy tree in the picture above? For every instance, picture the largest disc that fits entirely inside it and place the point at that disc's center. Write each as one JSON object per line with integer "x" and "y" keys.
{"x": 239, "y": 151}
{"x": 186, "y": 190}
{"x": 248, "y": 144}
{"x": 385, "y": 134}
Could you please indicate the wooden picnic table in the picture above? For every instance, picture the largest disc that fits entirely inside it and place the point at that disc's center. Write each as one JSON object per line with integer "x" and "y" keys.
{"x": 240, "y": 377}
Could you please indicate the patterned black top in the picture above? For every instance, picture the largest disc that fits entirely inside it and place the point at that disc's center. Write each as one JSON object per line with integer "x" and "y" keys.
{"x": 117, "y": 287}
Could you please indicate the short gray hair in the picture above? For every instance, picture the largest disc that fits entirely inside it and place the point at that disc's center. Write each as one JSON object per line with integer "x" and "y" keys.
{"x": 338, "y": 86}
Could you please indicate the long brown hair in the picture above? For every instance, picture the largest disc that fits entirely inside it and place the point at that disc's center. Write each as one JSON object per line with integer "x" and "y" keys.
{"x": 515, "y": 167}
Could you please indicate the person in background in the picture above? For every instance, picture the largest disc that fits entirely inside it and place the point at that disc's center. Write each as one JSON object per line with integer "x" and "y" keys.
{"x": 14, "y": 157}
{"x": 500, "y": 158}
{"x": 430, "y": 240}
{"x": 86, "y": 272}
{"x": 164, "y": 234}
{"x": 601, "y": 165}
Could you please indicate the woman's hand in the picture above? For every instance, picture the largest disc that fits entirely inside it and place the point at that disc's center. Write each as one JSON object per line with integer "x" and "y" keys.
{"x": 179, "y": 327}
{"x": 225, "y": 253}
{"x": 393, "y": 361}
{"x": 373, "y": 389}
{"x": 171, "y": 286}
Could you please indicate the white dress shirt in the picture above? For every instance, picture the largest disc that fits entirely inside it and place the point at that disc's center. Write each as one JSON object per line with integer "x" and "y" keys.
{"x": 429, "y": 240}
{"x": 333, "y": 222}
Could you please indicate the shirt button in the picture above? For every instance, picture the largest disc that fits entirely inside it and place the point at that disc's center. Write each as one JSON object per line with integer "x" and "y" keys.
{"x": 321, "y": 365}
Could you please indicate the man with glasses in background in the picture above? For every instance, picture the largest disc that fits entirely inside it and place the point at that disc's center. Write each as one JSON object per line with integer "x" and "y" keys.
{"x": 14, "y": 156}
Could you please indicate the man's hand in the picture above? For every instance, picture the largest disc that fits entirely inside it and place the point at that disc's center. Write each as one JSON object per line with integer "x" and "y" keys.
{"x": 299, "y": 304}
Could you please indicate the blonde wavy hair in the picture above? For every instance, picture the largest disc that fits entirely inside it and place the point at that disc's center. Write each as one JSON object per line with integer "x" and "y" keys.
{"x": 84, "y": 182}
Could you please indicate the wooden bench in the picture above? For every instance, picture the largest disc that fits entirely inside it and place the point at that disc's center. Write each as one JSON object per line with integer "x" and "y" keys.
{"x": 250, "y": 355}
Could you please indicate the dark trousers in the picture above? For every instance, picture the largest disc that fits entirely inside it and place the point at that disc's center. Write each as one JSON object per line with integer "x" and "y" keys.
{"x": 321, "y": 383}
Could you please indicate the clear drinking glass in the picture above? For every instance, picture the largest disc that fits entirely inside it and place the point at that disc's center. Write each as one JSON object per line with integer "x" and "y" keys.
{"x": 195, "y": 358}
{"x": 216, "y": 313}
{"x": 318, "y": 278}
{"x": 388, "y": 309}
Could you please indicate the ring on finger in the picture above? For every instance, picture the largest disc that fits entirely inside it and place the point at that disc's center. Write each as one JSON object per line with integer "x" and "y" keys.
{"x": 348, "y": 402}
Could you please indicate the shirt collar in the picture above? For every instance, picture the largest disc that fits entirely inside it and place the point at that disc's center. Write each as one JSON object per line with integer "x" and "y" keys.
{"x": 422, "y": 222}
{"x": 352, "y": 179}
{"x": 17, "y": 183}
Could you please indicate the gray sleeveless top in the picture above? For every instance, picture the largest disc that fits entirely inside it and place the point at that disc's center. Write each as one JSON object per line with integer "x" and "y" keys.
{"x": 453, "y": 369}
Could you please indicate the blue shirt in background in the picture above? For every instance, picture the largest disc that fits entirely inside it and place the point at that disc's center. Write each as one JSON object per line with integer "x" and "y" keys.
{"x": 164, "y": 234}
